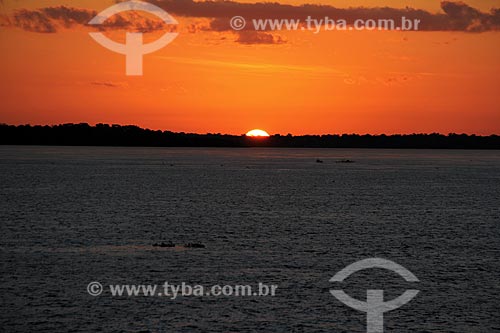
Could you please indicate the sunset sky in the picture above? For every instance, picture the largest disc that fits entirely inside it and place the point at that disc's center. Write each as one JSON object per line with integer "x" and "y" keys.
{"x": 444, "y": 78}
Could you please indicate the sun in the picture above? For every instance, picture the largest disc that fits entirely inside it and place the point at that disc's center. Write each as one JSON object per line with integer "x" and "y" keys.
{"x": 257, "y": 133}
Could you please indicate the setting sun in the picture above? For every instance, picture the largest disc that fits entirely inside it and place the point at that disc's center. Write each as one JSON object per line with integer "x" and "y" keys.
{"x": 257, "y": 133}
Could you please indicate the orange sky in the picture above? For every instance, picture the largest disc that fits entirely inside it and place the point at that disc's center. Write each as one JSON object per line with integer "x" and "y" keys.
{"x": 205, "y": 81}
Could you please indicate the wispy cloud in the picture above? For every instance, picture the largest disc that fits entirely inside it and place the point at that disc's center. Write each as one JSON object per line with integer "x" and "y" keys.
{"x": 108, "y": 84}
{"x": 259, "y": 67}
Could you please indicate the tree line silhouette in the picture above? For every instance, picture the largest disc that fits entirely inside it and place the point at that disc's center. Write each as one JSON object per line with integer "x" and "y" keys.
{"x": 134, "y": 136}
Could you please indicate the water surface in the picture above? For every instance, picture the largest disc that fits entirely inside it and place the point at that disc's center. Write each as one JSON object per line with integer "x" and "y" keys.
{"x": 72, "y": 215}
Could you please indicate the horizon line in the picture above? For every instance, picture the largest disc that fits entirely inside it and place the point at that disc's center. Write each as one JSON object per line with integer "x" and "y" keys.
{"x": 244, "y": 134}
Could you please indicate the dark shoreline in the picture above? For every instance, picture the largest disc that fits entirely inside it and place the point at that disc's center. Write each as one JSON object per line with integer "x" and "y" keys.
{"x": 133, "y": 136}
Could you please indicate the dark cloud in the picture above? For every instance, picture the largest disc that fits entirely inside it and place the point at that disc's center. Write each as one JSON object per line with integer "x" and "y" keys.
{"x": 456, "y": 16}
{"x": 254, "y": 37}
{"x": 463, "y": 17}
{"x": 133, "y": 21}
{"x": 68, "y": 16}
{"x": 34, "y": 21}
{"x": 50, "y": 19}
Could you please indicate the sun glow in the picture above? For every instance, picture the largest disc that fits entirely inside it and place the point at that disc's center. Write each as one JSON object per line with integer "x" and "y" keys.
{"x": 257, "y": 133}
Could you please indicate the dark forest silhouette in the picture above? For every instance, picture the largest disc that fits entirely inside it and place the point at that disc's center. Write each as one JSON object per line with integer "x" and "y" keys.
{"x": 116, "y": 135}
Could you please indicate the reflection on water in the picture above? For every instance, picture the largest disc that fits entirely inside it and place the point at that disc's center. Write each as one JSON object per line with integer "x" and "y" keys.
{"x": 70, "y": 216}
